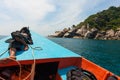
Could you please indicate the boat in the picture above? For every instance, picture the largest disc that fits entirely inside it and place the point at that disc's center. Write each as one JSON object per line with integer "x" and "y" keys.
{"x": 46, "y": 60}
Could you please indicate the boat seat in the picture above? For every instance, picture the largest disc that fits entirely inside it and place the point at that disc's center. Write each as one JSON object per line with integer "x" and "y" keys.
{"x": 63, "y": 72}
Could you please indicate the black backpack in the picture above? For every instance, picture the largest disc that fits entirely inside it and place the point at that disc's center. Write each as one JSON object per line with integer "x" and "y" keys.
{"x": 18, "y": 34}
{"x": 27, "y": 31}
{"x": 80, "y": 74}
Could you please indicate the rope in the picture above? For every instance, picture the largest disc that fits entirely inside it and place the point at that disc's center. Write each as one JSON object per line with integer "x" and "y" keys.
{"x": 33, "y": 64}
{"x": 12, "y": 60}
{"x": 0, "y": 56}
{"x": 19, "y": 66}
{"x": 35, "y": 48}
{"x": 3, "y": 52}
{"x": 2, "y": 78}
{"x": 33, "y": 67}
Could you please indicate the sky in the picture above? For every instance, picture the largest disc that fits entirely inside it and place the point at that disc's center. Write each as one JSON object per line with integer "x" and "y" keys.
{"x": 47, "y": 16}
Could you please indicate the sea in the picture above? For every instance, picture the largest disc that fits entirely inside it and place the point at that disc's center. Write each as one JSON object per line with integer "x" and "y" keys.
{"x": 105, "y": 53}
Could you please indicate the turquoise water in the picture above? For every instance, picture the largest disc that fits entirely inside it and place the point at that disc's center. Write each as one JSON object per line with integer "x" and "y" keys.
{"x": 105, "y": 53}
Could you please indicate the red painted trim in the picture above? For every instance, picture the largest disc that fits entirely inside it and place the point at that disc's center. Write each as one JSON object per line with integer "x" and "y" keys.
{"x": 99, "y": 72}
{"x": 58, "y": 77}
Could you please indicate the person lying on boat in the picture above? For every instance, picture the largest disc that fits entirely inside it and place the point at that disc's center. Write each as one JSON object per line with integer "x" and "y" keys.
{"x": 19, "y": 42}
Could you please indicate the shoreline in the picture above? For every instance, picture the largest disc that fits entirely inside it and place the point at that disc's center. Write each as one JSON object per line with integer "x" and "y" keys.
{"x": 88, "y": 33}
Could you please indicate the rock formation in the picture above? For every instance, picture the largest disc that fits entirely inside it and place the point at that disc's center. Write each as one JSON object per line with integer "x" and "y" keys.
{"x": 88, "y": 33}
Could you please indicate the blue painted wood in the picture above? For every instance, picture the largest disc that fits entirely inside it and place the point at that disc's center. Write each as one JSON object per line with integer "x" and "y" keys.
{"x": 49, "y": 49}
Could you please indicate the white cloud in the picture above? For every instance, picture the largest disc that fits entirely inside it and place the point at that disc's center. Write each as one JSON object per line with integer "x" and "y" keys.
{"x": 45, "y": 16}
{"x": 4, "y": 16}
{"x": 70, "y": 10}
{"x": 29, "y": 9}
{"x": 69, "y": 13}
{"x": 17, "y": 13}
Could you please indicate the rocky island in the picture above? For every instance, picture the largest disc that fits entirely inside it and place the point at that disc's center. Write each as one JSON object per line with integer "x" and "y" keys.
{"x": 104, "y": 25}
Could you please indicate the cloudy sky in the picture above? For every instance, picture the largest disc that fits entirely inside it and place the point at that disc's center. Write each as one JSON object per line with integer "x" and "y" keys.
{"x": 47, "y": 16}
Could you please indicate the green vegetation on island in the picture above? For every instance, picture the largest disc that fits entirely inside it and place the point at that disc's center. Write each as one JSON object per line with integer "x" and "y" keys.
{"x": 107, "y": 19}
{"x": 102, "y": 25}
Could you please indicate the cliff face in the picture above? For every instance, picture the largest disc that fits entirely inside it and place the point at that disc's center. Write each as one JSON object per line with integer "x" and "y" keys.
{"x": 89, "y": 33}
{"x": 102, "y": 25}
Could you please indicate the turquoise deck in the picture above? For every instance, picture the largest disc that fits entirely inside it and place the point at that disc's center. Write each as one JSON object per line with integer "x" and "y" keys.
{"x": 49, "y": 49}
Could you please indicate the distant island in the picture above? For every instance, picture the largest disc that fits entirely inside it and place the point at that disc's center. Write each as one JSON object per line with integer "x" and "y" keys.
{"x": 104, "y": 25}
